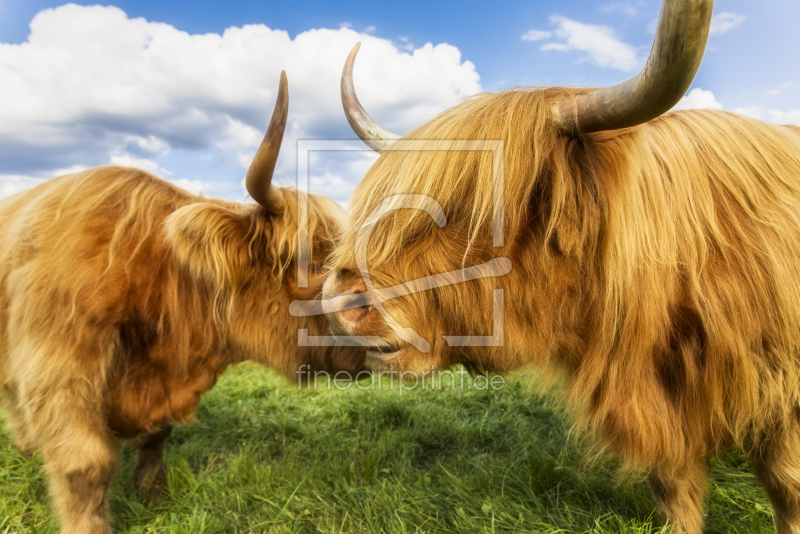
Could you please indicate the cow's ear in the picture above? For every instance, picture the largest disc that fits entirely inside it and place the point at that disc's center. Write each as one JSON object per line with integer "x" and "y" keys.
{"x": 211, "y": 241}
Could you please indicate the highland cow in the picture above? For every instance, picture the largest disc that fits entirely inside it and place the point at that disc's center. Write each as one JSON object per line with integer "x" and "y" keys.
{"x": 122, "y": 300}
{"x": 655, "y": 264}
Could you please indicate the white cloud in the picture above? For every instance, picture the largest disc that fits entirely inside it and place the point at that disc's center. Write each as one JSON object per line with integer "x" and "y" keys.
{"x": 332, "y": 173}
{"x": 698, "y": 99}
{"x": 599, "y": 42}
{"x": 150, "y": 144}
{"x": 126, "y": 160}
{"x": 751, "y": 111}
{"x": 779, "y": 89}
{"x": 785, "y": 117}
{"x": 11, "y": 184}
{"x": 90, "y": 84}
{"x": 238, "y": 135}
{"x": 702, "y": 99}
{"x": 724, "y": 22}
{"x": 406, "y": 44}
{"x": 774, "y": 116}
{"x": 370, "y": 29}
{"x": 196, "y": 187}
{"x": 536, "y": 35}
{"x": 618, "y": 7}
{"x": 71, "y": 169}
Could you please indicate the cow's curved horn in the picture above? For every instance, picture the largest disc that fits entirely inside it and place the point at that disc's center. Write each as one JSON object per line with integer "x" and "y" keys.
{"x": 259, "y": 175}
{"x": 367, "y": 129}
{"x": 680, "y": 41}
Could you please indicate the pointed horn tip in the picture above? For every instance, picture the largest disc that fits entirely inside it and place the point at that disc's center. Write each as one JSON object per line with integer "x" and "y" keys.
{"x": 351, "y": 57}
{"x": 347, "y": 72}
{"x": 283, "y": 85}
{"x": 258, "y": 179}
{"x": 363, "y": 125}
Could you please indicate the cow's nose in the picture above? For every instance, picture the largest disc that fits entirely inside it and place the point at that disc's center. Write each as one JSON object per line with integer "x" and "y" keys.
{"x": 353, "y": 315}
{"x": 347, "y": 321}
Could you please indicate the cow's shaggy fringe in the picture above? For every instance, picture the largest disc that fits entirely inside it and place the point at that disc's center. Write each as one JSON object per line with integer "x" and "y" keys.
{"x": 656, "y": 267}
{"x": 123, "y": 298}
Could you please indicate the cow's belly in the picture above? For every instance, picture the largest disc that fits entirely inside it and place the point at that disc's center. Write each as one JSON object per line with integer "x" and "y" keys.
{"x": 149, "y": 396}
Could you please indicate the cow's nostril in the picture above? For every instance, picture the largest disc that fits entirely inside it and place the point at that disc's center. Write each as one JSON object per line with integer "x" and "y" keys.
{"x": 356, "y": 304}
{"x": 354, "y": 315}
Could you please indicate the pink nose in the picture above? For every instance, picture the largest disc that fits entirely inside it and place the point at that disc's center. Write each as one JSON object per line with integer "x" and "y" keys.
{"x": 354, "y": 315}
{"x": 350, "y": 321}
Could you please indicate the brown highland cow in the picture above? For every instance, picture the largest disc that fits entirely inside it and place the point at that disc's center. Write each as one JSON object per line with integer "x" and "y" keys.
{"x": 123, "y": 299}
{"x": 655, "y": 264}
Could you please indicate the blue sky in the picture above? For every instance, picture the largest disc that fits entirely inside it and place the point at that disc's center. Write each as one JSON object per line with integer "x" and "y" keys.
{"x": 192, "y": 113}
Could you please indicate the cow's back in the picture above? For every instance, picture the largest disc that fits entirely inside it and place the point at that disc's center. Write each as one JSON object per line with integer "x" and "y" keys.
{"x": 73, "y": 251}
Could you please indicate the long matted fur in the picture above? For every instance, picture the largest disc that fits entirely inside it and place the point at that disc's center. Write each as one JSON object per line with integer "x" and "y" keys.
{"x": 657, "y": 268}
{"x": 122, "y": 299}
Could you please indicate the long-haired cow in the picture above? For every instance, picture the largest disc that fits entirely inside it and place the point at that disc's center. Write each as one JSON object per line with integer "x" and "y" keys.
{"x": 122, "y": 300}
{"x": 654, "y": 263}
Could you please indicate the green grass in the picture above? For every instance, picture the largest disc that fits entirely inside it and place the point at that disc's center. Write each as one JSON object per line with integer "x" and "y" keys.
{"x": 265, "y": 457}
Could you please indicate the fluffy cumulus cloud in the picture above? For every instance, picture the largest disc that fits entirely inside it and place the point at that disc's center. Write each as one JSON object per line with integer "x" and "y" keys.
{"x": 92, "y": 86}
{"x": 702, "y": 99}
{"x": 698, "y": 99}
{"x": 599, "y": 43}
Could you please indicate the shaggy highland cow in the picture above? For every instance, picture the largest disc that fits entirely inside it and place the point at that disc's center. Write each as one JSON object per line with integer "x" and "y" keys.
{"x": 123, "y": 299}
{"x": 655, "y": 264}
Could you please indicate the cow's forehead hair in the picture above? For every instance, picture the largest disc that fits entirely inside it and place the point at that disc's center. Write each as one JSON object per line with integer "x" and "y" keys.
{"x": 459, "y": 180}
{"x": 325, "y": 218}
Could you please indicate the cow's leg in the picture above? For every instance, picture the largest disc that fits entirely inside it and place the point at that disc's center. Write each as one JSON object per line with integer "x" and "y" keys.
{"x": 150, "y": 474}
{"x": 776, "y": 459}
{"x": 15, "y": 421}
{"x": 680, "y": 496}
{"x": 80, "y": 453}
